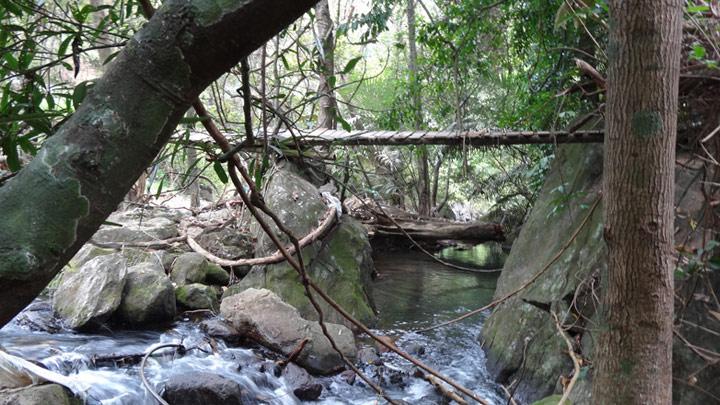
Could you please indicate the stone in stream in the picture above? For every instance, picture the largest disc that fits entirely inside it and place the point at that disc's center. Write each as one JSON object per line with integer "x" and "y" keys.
{"x": 220, "y": 329}
{"x": 368, "y": 355}
{"x": 341, "y": 263}
{"x": 192, "y": 267}
{"x": 148, "y": 296}
{"x": 198, "y": 296}
{"x": 47, "y": 394}
{"x": 203, "y": 388}
{"x": 88, "y": 296}
{"x": 263, "y": 316}
{"x": 304, "y": 386}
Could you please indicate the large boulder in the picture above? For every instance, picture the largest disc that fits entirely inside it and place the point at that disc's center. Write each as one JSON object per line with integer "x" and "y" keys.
{"x": 521, "y": 339}
{"x": 88, "y": 296}
{"x": 148, "y": 296}
{"x": 203, "y": 388}
{"x": 262, "y": 315}
{"x": 341, "y": 263}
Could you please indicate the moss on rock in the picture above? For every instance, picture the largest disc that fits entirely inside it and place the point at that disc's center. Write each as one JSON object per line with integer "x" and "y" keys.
{"x": 198, "y": 296}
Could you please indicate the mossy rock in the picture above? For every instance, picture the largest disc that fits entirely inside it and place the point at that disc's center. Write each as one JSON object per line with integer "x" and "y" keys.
{"x": 520, "y": 334}
{"x": 216, "y": 275}
{"x": 148, "y": 296}
{"x": 188, "y": 268}
{"x": 198, "y": 296}
{"x": 340, "y": 266}
{"x": 89, "y": 296}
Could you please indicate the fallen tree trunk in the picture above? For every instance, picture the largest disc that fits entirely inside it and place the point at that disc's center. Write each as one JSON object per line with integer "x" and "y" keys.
{"x": 435, "y": 230}
{"x": 83, "y": 172}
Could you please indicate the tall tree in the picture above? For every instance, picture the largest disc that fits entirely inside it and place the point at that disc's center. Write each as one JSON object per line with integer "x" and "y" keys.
{"x": 85, "y": 169}
{"x": 326, "y": 64}
{"x": 633, "y": 362}
{"x": 423, "y": 167}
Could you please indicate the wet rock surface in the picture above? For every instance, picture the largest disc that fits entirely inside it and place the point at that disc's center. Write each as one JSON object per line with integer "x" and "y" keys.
{"x": 148, "y": 296}
{"x": 203, "y": 388}
{"x": 89, "y": 296}
{"x": 198, "y": 296}
{"x": 48, "y": 394}
{"x": 263, "y": 316}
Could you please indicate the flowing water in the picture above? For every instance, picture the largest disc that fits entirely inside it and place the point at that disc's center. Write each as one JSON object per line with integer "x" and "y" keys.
{"x": 412, "y": 292}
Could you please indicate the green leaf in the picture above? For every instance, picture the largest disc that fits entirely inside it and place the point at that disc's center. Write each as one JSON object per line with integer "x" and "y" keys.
{"x": 220, "y": 171}
{"x": 698, "y": 51}
{"x": 64, "y": 45}
{"x": 192, "y": 120}
{"x": 11, "y": 7}
{"x": 111, "y": 57}
{"x": 331, "y": 81}
{"x": 80, "y": 92}
{"x": 345, "y": 125}
{"x": 285, "y": 62}
{"x": 351, "y": 65}
{"x": 112, "y": 223}
{"x": 698, "y": 9}
{"x": 10, "y": 150}
{"x": 10, "y": 61}
{"x": 160, "y": 187}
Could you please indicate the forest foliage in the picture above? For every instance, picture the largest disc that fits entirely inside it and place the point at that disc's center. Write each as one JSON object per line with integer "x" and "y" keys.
{"x": 480, "y": 64}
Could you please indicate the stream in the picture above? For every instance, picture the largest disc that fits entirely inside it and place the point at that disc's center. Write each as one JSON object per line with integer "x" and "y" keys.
{"x": 411, "y": 292}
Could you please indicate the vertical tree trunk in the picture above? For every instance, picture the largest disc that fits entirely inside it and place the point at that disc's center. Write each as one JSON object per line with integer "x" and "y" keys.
{"x": 633, "y": 360}
{"x": 423, "y": 185}
{"x": 193, "y": 176}
{"x": 326, "y": 64}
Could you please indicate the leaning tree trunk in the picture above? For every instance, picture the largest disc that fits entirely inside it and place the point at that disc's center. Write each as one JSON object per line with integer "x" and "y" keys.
{"x": 57, "y": 202}
{"x": 633, "y": 362}
{"x": 326, "y": 63}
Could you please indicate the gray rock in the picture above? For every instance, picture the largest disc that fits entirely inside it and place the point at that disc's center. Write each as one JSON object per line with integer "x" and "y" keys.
{"x": 198, "y": 296}
{"x": 150, "y": 229}
{"x": 38, "y": 317}
{"x": 49, "y": 394}
{"x": 228, "y": 243}
{"x": 216, "y": 275}
{"x": 220, "y": 329}
{"x": 203, "y": 388}
{"x": 188, "y": 268}
{"x": 88, "y": 296}
{"x": 368, "y": 355}
{"x": 87, "y": 253}
{"x": 304, "y": 386}
{"x": 275, "y": 324}
{"x": 148, "y": 296}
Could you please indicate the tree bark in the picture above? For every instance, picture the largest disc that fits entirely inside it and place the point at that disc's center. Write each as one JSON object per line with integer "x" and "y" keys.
{"x": 423, "y": 168}
{"x": 58, "y": 201}
{"x": 633, "y": 362}
{"x": 326, "y": 64}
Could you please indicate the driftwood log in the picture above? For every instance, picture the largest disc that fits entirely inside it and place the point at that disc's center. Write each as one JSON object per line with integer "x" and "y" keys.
{"x": 384, "y": 222}
{"x": 430, "y": 230}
